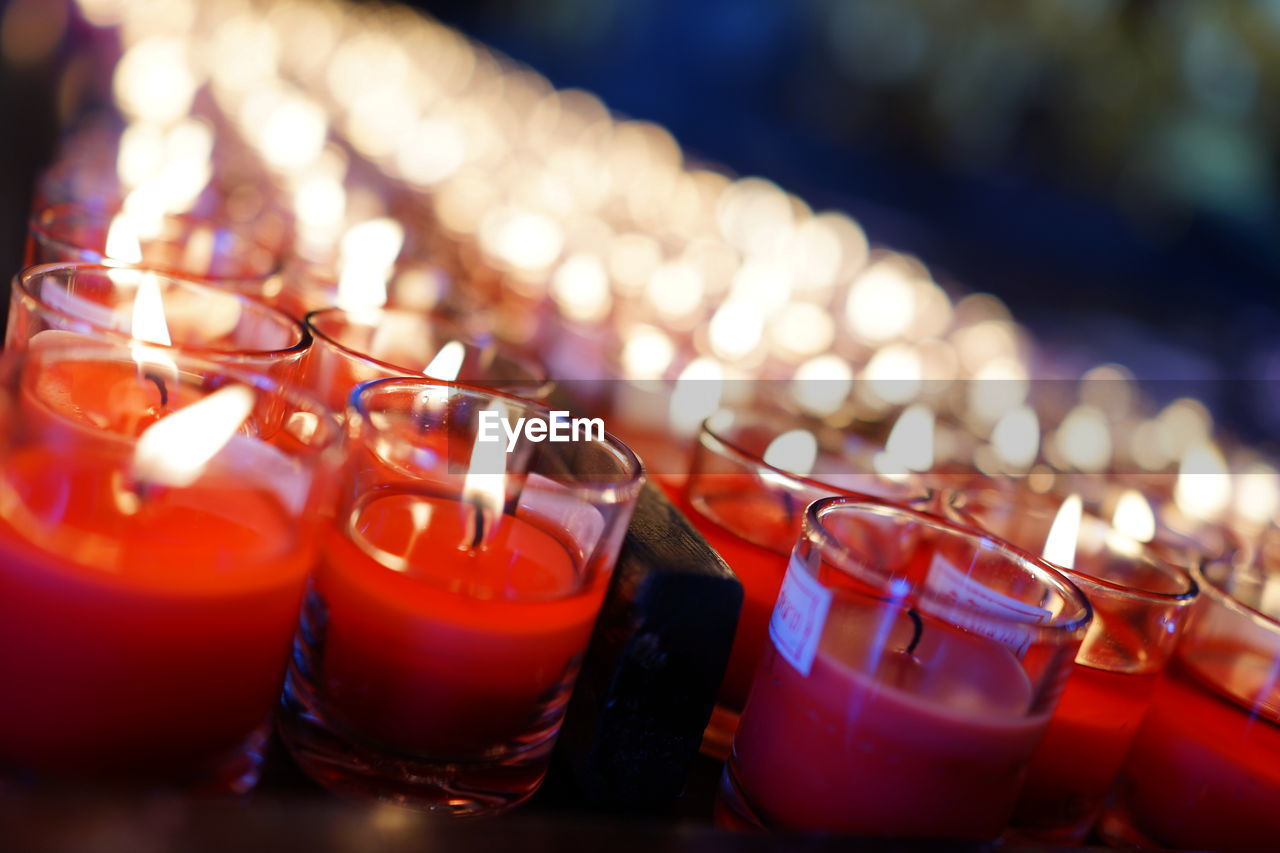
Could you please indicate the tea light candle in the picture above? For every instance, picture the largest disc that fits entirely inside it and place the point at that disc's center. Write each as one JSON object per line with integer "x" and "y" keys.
{"x": 1140, "y": 603}
{"x": 451, "y": 610}
{"x": 150, "y": 570}
{"x": 910, "y": 672}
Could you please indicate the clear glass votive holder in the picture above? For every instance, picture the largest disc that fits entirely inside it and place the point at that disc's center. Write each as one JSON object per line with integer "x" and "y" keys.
{"x": 1204, "y": 769}
{"x": 752, "y": 475}
{"x": 350, "y": 347}
{"x": 459, "y": 586}
{"x": 154, "y": 550}
{"x": 218, "y": 253}
{"x": 171, "y": 313}
{"x": 1140, "y": 604}
{"x": 911, "y": 669}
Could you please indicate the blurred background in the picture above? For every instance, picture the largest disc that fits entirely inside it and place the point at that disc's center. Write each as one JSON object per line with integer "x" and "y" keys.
{"x": 1107, "y": 167}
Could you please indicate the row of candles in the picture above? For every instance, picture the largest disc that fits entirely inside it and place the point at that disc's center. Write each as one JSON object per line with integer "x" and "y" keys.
{"x": 275, "y": 225}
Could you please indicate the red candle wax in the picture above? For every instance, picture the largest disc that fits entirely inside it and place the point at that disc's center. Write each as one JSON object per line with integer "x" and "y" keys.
{"x": 740, "y": 504}
{"x": 146, "y": 640}
{"x": 1085, "y": 744}
{"x": 933, "y": 745}
{"x": 441, "y": 650}
{"x": 1206, "y": 771}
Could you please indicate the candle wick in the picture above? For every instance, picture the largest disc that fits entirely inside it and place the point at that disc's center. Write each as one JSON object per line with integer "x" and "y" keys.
{"x": 477, "y": 527}
{"x": 917, "y": 625}
{"x": 160, "y": 386}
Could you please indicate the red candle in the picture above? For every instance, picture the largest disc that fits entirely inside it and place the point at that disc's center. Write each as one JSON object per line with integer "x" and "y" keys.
{"x": 153, "y": 636}
{"x": 440, "y": 649}
{"x": 932, "y": 745}
{"x": 1084, "y": 746}
{"x": 738, "y": 503}
{"x": 1204, "y": 771}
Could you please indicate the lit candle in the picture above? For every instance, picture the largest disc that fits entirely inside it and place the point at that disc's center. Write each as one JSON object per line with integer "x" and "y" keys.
{"x": 151, "y": 572}
{"x": 451, "y": 613}
{"x": 1140, "y": 603}
{"x": 1204, "y": 770}
{"x": 351, "y": 347}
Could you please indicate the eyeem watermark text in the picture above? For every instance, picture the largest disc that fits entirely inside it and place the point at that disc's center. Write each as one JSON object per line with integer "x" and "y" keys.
{"x": 493, "y": 426}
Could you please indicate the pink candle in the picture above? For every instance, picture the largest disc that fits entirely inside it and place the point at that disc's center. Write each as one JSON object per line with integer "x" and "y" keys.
{"x": 910, "y": 671}
{"x": 933, "y": 744}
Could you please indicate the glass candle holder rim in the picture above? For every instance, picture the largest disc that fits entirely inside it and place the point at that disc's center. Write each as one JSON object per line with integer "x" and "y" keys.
{"x": 303, "y": 342}
{"x": 189, "y": 364}
{"x": 537, "y": 372}
{"x": 1185, "y": 593}
{"x": 609, "y": 492}
{"x": 1214, "y": 590}
{"x": 104, "y": 215}
{"x": 1045, "y": 572}
{"x": 708, "y": 430}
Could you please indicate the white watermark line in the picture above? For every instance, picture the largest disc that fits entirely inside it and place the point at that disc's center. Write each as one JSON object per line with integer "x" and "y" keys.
{"x": 559, "y": 428}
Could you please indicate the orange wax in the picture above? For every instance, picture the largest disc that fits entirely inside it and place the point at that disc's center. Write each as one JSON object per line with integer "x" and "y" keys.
{"x": 437, "y": 649}
{"x": 740, "y": 504}
{"x": 1088, "y": 737}
{"x": 142, "y": 644}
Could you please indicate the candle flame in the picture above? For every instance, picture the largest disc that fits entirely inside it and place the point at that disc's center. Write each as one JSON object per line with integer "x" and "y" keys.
{"x": 1203, "y": 488}
{"x": 1084, "y": 439}
{"x": 794, "y": 451}
{"x": 447, "y": 363}
{"x": 175, "y": 450}
{"x": 696, "y": 396}
{"x": 1016, "y": 438}
{"x": 367, "y": 258}
{"x": 485, "y": 484}
{"x": 909, "y": 446}
{"x": 1060, "y": 544}
{"x": 1133, "y": 516}
{"x": 122, "y": 241}
{"x": 148, "y": 325}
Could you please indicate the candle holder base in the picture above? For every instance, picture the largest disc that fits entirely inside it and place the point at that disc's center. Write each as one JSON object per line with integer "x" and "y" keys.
{"x": 350, "y": 766}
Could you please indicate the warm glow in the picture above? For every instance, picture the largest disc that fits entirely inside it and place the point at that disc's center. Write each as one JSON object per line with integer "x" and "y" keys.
{"x": 909, "y": 446}
{"x": 1203, "y": 489}
{"x": 735, "y": 329}
{"x": 996, "y": 387}
{"x": 1257, "y": 495}
{"x": 822, "y": 384}
{"x": 894, "y": 374}
{"x": 794, "y": 451}
{"x": 148, "y": 321}
{"x": 521, "y": 239}
{"x": 1083, "y": 439}
{"x": 1133, "y": 516}
{"x": 696, "y": 395}
{"x": 175, "y": 450}
{"x": 367, "y": 259}
{"x": 153, "y": 80}
{"x": 1060, "y": 544}
{"x": 675, "y": 290}
{"x": 802, "y": 329}
{"x": 882, "y": 303}
{"x": 647, "y": 353}
{"x": 122, "y": 241}
{"x": 1016, "y": 438}
{"x": 447, "y": 363}
{"x": 580, "y": 288}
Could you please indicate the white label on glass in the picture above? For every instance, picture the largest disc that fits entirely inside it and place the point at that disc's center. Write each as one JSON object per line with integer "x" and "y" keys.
{"x": 798, "y": 617}
{"x": 964, "y": 601}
